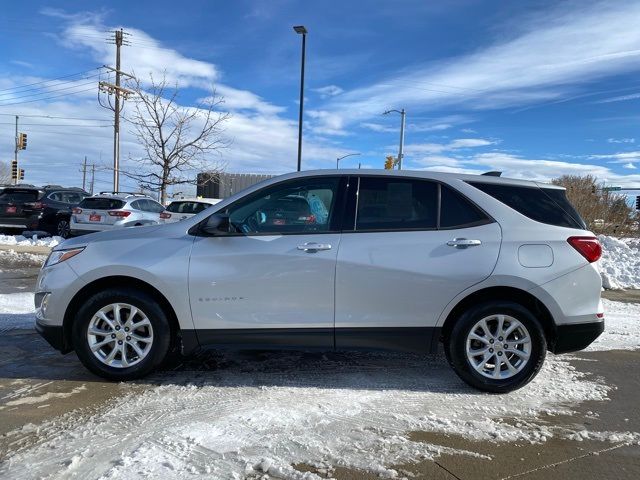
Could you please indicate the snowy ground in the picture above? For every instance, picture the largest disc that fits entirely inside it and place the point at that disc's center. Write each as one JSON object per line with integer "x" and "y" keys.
{"x": 32, "y": 241}
{"x": 262, "y": 412}
{"x": 620, "y": 263}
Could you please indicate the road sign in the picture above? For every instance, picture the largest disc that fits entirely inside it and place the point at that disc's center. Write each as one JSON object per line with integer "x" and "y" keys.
{"x": 611, "y": 189}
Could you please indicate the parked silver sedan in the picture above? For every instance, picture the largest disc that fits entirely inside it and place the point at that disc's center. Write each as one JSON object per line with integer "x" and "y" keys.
{"x": 107, "y": 211}
{"x": 186, "y": 208}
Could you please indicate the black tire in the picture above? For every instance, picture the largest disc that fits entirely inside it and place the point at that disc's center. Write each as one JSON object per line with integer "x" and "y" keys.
{"x": 139, "y": 299}
{"x": 455, "y": 346}
{"x": 63, "y": 228}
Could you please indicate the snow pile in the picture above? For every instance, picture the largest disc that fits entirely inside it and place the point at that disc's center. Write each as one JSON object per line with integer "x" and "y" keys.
{"x": 261, "y": 413}
{"x": 17, "y": 310}
{"x": 33, "y": 241}
{"x": 620, "y": 263}
{"x": 621, "y": 327}
{"x": 12, "y": 259}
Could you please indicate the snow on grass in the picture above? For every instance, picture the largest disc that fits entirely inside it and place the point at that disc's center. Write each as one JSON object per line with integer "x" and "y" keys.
{"x": 17, "y": 310}
{"x": 261, "y": 413}
{"x": 621, "y": 327}
{"x": 32, "y": 241}
{"x": 620, "y": 262}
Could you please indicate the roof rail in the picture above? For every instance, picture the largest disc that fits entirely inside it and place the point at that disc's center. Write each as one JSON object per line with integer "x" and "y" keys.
{"x": 53, "y": 186}
{"x": 492, "y": 174}
{"x": 133, "y": 194}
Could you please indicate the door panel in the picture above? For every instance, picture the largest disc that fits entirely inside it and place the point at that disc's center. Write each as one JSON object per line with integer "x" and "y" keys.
{"x": 405, "y": 279}
{"x": 263, "y": 282}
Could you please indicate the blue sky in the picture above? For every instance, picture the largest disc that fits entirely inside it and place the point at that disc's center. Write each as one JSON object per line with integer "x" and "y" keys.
{"x": 535, "y": 89}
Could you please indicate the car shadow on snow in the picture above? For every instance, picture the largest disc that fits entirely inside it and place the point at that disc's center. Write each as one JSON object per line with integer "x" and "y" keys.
{"x": 25, "y": 355}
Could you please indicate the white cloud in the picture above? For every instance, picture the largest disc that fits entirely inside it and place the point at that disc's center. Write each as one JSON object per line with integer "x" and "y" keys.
{"x": 551, "y": 54}
{"x": 328, "y": 91}
{"x": 630, "y": 166}
{"x": 326, "y": 123}
{"x": 621, "y": 98}
{"x": 621, "y": 140}
{"x": 457, "y": 144}
{"x": 234, "y": 99}
{"x": 621, "y": 157}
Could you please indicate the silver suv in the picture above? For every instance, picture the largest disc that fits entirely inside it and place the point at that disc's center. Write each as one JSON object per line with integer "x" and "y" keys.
{"x": 499, "y": 271}
{"x": 113, "y": 210}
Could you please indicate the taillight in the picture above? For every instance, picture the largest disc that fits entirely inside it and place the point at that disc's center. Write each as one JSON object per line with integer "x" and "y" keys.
{"x": 165, "y": 215}
{"x": 35, "y": 205}
{"x": 588, "y": 247}
{"x": 76, "y": 210}
{"x": 119, "y": 213}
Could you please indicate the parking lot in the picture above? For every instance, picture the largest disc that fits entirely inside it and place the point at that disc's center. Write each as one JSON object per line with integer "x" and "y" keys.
{"x": 342, "y": 415}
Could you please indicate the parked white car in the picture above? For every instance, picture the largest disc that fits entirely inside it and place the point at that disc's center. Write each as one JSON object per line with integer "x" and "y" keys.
{"x": 498, "y": 270}
{"x": 186, "y": 208}
{"x": 107, "y": 211}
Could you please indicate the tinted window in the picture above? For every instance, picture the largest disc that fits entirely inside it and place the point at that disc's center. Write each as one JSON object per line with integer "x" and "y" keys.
{"x": 186, "y": 207}
{"x": 391, "y": 203}
{"x": 67, "y": 197}
{"x": 200, "y": 207}
{"x": 305, "y": 205}
{"x": 457, "y": 212}
{"x": 101, "y": 203}
{"x": 153, "y": 206}
{"x": 544, "y": 205}
{"x": 18, "y": 196}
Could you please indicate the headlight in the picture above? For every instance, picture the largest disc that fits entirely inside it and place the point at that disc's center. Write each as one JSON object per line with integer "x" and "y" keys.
{"x": 58, "y": 256}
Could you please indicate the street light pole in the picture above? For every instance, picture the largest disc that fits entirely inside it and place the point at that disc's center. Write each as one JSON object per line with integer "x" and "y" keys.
{"x": 402, "y": 122}
{"x": 345, "y": 156}
{"x": 301, "y": 30}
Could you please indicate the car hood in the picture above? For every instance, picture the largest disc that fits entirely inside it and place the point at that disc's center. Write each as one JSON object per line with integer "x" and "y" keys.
{"x": 115, "y": 234}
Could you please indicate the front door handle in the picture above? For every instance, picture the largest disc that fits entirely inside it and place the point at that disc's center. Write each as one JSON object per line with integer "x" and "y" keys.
{"x": 463, "y": 243}
{"x": 314, "y": 247}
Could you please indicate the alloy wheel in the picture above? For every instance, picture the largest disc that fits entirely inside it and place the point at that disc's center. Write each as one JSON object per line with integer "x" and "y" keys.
{"x": 498, "y": 346}
{"x": 120, "y": 335}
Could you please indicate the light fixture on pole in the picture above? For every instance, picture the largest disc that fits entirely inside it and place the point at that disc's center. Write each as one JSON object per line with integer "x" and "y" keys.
{"x": 403, "y": 115}
{"x": 301, "y": 30}
{"x": 345, "y": 156}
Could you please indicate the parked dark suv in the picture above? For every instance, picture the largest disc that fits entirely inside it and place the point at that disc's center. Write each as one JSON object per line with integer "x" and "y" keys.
{"x": 45, "y": 208}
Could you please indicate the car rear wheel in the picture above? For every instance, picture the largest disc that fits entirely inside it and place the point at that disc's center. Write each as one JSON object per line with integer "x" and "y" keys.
{"x": 63, "y": 228}
{"x": 121, "y": 334}
{"x": 496, "y": 346}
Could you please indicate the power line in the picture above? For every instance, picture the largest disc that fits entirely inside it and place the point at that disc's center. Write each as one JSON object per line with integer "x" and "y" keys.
{"x": 52, "y": 84}
{"x": 52, "y": 79}
{"x": 56, "y": 117}
{"x": 59, "y": 125}
{"x": 49, "y": 91}
{"x": 48, "y": 98}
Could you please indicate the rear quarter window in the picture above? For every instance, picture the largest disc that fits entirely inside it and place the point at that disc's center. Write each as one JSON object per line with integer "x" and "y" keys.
{"x": 19, "y": 196}
{"x": 101, "y": 203}
{"x": 545, "y": 205}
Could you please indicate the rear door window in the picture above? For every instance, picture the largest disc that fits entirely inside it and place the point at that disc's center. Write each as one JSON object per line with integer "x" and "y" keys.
{"x": 101, "y": 203}
{"x": 545, "y": 205}
{"x": 396, "y": 204}
{"x": 458, "y": 212}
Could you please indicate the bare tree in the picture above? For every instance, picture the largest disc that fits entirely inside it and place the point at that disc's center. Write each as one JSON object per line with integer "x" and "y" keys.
{"x": 603, "y": 211}
{"x": 178, "y": 141}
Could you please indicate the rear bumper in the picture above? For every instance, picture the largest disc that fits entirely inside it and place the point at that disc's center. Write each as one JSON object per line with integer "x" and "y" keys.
{"x": 54, "y": 335}
{"x": 576, "y": 336}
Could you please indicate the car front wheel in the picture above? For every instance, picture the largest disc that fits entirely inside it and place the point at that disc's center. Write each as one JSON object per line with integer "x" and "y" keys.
{"x": 121, "y": 334}
{"x": 497, "y": 347}
{"x": 62, "y": 228}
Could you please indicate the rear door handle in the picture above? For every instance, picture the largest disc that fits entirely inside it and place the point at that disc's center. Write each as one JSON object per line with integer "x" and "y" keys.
{"x": 463, "y": 243}
{"x": 314, "y": 247}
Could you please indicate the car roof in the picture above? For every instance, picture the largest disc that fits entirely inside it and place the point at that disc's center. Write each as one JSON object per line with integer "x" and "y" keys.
{"x": 122, "y": 196}
{"x": 211, "y": 201}
{"x": 426, "y": 174}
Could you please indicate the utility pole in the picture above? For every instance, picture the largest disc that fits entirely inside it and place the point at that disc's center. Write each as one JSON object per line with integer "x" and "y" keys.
{"x": 84, "y": 172}
{"x": 15, "y": 154}
{"x": 93, "y": 177}
{"x": 402, "y": 122}
{"x": 301, "y": 30}
{"x": 117, "y": 91}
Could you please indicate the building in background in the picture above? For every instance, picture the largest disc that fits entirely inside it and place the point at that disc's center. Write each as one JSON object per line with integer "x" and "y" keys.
{"x": 223, "y": 185}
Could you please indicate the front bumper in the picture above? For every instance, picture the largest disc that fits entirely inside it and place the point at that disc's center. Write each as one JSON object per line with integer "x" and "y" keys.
{"x": 54, "y": 335}
{"x": 576, "y": 336}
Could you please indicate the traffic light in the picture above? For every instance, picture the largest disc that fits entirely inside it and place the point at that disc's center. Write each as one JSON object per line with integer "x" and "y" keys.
{"x": 22, "y": 141}
{"x": 389, "y": 163}
{"x": 638, "y": 202}
{"x": 14, "y": 170}
{"x": 21, "y": 174}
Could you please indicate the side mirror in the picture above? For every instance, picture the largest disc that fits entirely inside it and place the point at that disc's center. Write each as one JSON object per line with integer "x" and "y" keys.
{"x": 216, "y": 224}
